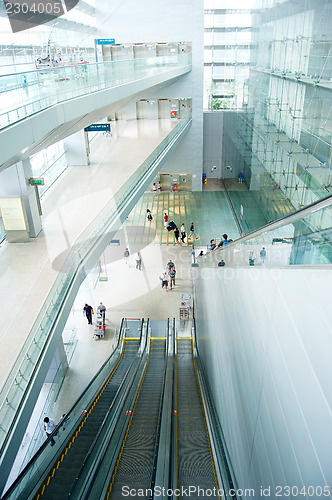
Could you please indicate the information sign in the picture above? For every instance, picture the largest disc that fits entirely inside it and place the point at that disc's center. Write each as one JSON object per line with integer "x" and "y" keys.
{"x": 98, "y": 127}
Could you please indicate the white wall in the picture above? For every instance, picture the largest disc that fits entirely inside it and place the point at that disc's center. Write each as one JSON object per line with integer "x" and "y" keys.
{"x": 171, "y": 21}
{"x": 265, "y": 339}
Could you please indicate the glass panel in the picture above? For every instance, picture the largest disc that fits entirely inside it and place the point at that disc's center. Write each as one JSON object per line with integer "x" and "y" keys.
{"x": 23, "y": 94}
{"x": 303, "y": 238}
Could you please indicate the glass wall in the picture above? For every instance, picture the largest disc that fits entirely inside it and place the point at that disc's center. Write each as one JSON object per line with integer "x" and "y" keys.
{"x": 281, "y": 140}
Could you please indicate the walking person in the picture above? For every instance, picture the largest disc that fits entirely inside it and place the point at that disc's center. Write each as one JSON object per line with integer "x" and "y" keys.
{"x": 88, "y": 312}
{"x": 159, "y": 187}
{"x": 252, "y": 258}
{"x": 165, "y": 220}
{"x": 172, "y": 274}
{"x": 154, "y": 188}
{"x": 149, "y": 215}
{"x": 101, "y": 309}
{"x": 126, "y": 255}
{"x": 169, "y": 265}
{"x": 262, "y": 255}
{"x": 164, "y": 280}
{"x": 183, "y": 232}
{"x": 192, "y": 232}
{"x": 49, "y": 426}
{"x": 138, "y": 260}
{"x": 177, "y": 235}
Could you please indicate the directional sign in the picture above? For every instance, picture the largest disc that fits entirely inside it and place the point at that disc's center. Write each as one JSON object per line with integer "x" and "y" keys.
{"x": 98, "y": 127}
{"x": 36, "y": 181}
{"x": 105, "y": 41}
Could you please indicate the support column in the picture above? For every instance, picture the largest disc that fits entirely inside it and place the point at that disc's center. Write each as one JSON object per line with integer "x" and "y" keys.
{"x": 77, "y": 149}
{"x": 14, "y": 182}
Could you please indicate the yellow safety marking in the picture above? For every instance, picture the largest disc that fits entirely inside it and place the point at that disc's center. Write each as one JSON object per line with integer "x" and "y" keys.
{"x": 38, "y": 496}
{"x": 48, "y": 480}
{"x": 183, "y": 338}
{"x": 83, "y": 422}
{"x": 206, "y": 428}
{"x": 127, "y": 430}
{"x": 177, "y": 423}
{"x": 131, "y": 338}
{"x": 158, "y": 338}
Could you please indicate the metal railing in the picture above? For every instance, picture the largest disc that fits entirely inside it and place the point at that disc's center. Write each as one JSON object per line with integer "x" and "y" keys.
{"x": 24, "y": 94}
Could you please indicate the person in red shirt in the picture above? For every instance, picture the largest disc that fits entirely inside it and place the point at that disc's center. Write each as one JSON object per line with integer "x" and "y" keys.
{"x": 165, "y": 220}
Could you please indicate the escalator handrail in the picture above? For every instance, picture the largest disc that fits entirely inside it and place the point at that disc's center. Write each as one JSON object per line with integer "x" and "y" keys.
{"x": 163, "y": 459}
{"x": 88, "y": 486}
{"x": 66, "y": 417}
{"x": 90, "y": 450}
{"x": 210, "y": 412}
{"x": 286, "y": 219}
{"x": 160, "y": 414}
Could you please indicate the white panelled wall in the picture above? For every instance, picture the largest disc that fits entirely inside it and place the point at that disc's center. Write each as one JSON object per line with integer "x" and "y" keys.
{"x": 265, "y": 340}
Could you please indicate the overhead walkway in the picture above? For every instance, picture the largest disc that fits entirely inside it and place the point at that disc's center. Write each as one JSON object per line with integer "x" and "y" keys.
{"x": 63, "y": 275}
{"x": 149, "y": 424}
{"x": 41, "y": 107}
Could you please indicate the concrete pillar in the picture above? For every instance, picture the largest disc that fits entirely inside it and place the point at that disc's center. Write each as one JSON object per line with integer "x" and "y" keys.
{"x": 14, "y": 181}
{"x": 77, "y": 149}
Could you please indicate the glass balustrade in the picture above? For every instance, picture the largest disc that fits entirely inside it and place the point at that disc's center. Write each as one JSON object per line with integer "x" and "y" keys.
{"x": 18, "y": 381}
{"x": 23, "y": 94}
{"x": 302, "y": 238}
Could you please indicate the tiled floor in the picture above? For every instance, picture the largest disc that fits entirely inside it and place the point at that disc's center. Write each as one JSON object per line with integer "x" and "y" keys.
{"x": 209, "y": 211}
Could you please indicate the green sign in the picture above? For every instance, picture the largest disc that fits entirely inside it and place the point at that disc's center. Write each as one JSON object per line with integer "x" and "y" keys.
{"x": 36, "y": 181}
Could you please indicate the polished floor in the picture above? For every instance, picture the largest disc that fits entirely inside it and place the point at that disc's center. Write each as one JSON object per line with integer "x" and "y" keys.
{"x": 28, "y": 270}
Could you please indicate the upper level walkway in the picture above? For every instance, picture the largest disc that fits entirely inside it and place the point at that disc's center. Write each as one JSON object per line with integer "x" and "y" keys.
{"x": 40, "y": 107}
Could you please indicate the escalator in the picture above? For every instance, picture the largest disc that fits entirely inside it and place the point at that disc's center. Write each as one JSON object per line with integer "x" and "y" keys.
{"x": 194, "y": 463}
{"x": 134, "y": 464}
{"x": 161, "y": 422}
{"x": 70, "y": 459}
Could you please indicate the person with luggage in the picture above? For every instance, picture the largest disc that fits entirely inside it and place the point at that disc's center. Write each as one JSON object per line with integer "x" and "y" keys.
{"x": 101, "y": 309}
{"x": 183, "y": 232}
{"x": 87, "y": 312}
{"x": 165, "y": 220}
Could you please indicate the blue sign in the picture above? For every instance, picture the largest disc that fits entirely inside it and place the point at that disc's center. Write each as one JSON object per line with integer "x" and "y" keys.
{"x": 98, "y": 127}
{"x": 105, "y": 41}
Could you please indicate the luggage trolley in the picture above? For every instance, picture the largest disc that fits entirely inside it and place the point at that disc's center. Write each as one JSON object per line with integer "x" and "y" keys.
{"x": 100, "y": 326}
{"x": 185, "y": 306}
